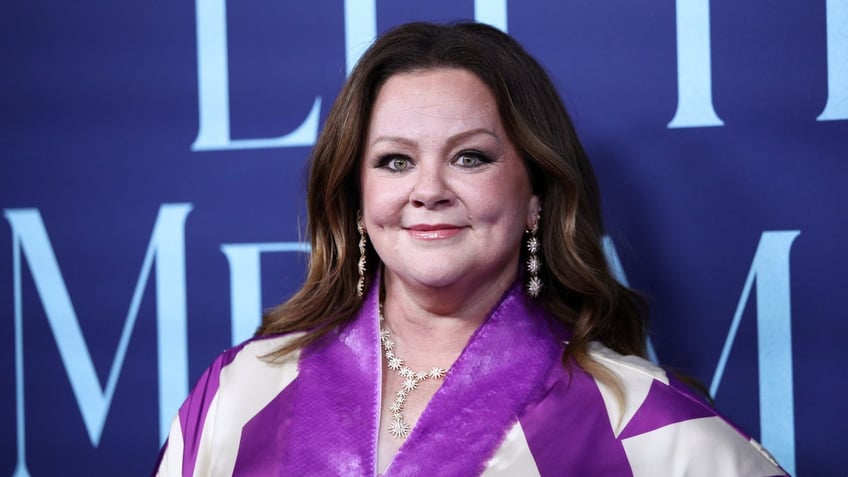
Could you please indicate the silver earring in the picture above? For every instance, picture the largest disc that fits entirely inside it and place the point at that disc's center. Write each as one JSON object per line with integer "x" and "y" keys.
{"x": 534, "y": 264}
{"x": 360, "y": 226}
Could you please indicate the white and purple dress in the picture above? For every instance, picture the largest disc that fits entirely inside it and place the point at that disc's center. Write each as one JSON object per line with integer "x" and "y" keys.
{"x": 506, "y": 408}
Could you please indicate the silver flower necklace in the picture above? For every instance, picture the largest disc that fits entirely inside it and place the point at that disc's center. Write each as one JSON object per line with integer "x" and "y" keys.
{"x": 399, "y": 428}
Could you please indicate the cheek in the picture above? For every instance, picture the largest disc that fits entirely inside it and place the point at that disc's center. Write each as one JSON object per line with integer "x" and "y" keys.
{"x": 500, "y": 200}
{"x": 381, "y": 205}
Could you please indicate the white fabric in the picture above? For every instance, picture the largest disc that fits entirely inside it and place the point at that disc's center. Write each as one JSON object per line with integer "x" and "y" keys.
{"x": 705, "y": 447}
{"x": 228, "y": 414}
{"x": 172, "y": 461}
{"x": 636, "y": 376}
{"x": 513, "y": 458}
{"x": 691, "y": 448}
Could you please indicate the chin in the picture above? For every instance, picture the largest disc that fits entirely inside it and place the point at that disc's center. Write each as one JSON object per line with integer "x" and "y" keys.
{"x": 449, "y": 274}
{"x": 438, "y": 279}
{"x": 428, "y": 273}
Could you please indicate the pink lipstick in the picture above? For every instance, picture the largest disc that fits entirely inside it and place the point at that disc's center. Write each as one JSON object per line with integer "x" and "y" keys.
{"x": 434, "y": 231}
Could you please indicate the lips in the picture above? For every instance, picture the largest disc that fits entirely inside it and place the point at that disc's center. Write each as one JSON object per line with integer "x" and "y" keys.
{"x": 433, "y": 231}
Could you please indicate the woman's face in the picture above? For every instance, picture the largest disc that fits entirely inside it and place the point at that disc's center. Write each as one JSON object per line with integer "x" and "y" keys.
{"x": 445, "y": 196}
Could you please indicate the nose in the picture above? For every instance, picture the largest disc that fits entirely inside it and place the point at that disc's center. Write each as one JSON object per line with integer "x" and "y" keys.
{"x": 431, "y": 190}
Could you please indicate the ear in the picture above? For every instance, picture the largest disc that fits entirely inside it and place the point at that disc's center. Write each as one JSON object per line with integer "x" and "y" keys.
{"x": 534, "y": 207}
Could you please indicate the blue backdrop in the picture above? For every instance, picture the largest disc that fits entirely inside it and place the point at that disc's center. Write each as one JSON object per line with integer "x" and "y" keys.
{"x": 152, "y": 189}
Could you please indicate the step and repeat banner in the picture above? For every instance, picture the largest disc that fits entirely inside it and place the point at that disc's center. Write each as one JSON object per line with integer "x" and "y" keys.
{"x": 152, "y": 191}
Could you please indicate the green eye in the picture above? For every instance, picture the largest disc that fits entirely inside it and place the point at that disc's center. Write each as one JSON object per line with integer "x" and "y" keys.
{"x": 470, "y": 159}
{"x": 398, "y": 164}
{"x": 395, "y": 162}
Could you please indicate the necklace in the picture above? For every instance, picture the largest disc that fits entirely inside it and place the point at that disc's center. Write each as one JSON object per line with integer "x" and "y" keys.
{"x": 399, "y": 427}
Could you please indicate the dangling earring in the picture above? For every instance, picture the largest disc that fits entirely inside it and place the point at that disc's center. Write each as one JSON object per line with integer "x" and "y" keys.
{"x": 534, "y": 284}
{"x": 360, "y": 226}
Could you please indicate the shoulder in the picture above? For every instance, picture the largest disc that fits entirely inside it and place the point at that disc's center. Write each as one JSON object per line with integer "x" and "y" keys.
{"x": 239, "y": 383}
{"x": 654, "y": 427}
{"x": 255, "y": 356}
{"x": 242, "y": 362}
{"x": 660, "y": 419}
{"x": 247, "y": 372}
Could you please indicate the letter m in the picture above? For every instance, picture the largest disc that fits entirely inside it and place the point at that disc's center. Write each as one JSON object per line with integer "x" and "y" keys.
{"x": 167, "y": 249}
{"x": 770, "y": 269}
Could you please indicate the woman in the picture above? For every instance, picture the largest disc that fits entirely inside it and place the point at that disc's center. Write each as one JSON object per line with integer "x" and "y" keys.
{"x": 458, "y": 317}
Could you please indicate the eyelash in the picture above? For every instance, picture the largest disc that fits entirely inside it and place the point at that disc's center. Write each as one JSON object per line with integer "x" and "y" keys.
{"x": 481, "y": 158}
{"x": 385, "y": 161}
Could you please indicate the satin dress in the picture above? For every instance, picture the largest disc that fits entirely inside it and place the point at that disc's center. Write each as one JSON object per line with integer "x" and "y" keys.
{"x": 507, "y": 407}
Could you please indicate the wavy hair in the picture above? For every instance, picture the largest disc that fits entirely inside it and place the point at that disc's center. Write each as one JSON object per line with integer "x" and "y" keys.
{"x": 580, "y": 291}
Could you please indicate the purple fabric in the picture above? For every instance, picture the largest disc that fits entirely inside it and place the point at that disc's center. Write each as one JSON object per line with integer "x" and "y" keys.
{"x": 325, "y": 422}
{"x": 568, "y": 429}
{"x": 266, "y": 436}
{"x": 333, "y": 405}
{"x": 505, "y": 361}
{"x": 687, "y": 391}
{"x": 664, "y": 405}
{"x": 193, "y": 412}
{"x": 334, "y": 402}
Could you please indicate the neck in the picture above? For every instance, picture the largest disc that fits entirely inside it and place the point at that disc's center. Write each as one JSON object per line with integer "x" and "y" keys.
{"x": 432, "y": 327}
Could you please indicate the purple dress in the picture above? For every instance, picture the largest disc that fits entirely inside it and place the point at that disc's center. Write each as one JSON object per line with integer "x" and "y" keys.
{"x": 506, "y": 408}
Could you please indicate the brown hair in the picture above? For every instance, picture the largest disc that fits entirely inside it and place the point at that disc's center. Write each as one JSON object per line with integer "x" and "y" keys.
{"x": 579, "y": 290}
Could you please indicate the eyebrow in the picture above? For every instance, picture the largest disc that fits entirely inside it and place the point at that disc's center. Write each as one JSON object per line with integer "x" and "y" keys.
{"x": 452, "y": 141}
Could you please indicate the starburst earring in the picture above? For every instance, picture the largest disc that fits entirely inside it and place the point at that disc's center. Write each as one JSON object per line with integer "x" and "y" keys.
{"x": 534, "y": 264}
{"x": 360, "y": 227}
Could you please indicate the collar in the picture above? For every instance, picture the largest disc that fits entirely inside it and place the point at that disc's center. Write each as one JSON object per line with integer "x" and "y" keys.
{"x": 336, "y": 408}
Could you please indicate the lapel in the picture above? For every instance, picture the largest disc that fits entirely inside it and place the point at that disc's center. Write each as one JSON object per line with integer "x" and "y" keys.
{"x": 337, "y": 409}
{"x": 336, "y": 400}
{"x": 467, "y": 419}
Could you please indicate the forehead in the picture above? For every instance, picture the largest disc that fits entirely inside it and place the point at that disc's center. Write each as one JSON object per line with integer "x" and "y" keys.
{"x": 442, "y": 96}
